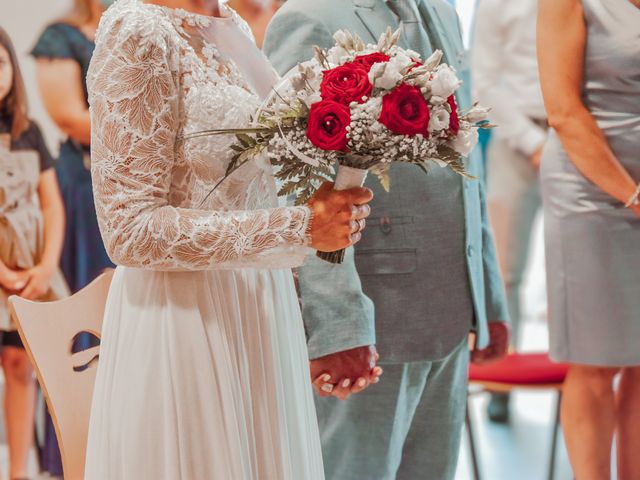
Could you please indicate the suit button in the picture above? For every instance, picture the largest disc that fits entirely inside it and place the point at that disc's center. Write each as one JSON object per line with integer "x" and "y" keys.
{"x": 385, "y": 225}
{"x": 470, "y": 251}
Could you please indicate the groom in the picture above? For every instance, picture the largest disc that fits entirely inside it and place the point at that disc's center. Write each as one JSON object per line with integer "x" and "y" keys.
{"x": 427, "y": 264}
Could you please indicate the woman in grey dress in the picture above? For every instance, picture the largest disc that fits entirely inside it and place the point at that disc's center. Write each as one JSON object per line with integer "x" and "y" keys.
{"x": 588, "y": 52}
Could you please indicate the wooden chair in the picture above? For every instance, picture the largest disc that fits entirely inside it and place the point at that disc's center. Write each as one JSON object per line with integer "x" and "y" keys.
{"x": 49, "y": 331}
{"x": 532, "y": 371}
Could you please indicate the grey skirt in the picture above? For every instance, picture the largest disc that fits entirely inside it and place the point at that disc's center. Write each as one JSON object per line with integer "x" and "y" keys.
{"x": 592, "y": 249}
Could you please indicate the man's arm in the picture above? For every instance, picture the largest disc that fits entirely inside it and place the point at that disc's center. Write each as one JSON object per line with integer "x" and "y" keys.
{"x": 338, "y": 315}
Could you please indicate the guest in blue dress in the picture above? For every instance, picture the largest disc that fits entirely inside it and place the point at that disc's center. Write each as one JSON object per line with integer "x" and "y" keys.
{"x": 63, "y": 53}
{"x": 589, "y": 51}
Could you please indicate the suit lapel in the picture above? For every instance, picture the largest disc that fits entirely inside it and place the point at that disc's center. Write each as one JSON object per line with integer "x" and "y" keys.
{"x": 438, "y": 31}
{"x": 447, "y": 34}
{"x": 375, "y": 17}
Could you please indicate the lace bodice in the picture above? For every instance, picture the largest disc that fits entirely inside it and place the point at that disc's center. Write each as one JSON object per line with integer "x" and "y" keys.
{"x": 155, "y": 76}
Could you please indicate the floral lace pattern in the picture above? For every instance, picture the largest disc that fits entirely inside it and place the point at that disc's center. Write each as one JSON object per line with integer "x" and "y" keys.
{"x": 152, "y": 78}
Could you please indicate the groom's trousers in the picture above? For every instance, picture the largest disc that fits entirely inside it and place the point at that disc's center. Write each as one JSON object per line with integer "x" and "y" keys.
{"x": 406, "y": 427}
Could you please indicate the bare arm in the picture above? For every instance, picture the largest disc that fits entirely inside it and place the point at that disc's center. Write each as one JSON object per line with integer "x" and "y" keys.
{"x": 561, "y": 48}
{"x": 60, "y": 82}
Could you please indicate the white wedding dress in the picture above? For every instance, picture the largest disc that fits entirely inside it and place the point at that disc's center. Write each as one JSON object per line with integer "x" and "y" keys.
{"x": 203, "y": 370}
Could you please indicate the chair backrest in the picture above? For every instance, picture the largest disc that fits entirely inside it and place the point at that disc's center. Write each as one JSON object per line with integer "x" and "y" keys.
{"x": 49, "y": 331}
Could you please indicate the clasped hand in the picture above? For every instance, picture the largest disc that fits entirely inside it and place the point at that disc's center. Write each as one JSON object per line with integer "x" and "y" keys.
{"x": 30, "y": 284}
{"x": 338, "y": 217}
{"x": 344, "y": 373}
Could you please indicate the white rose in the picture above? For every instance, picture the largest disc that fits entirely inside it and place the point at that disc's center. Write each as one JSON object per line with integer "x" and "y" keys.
{"x": 402, "y": 61}
{"x": 439, "y": 120}
{"x": 477, "y": 114}
{"x": 385, "y": 75}
{"x": 465, "y": 141}
{"x": 445, "y": 82}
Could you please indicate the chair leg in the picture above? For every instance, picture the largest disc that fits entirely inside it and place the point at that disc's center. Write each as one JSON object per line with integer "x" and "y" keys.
{"x": 472, "y": 444}
{"x": 554, "y": 440}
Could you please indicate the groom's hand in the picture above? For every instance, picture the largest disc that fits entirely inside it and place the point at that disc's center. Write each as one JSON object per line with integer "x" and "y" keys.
{"x": 499, "y": 334}
{"x": 343, "y": 373}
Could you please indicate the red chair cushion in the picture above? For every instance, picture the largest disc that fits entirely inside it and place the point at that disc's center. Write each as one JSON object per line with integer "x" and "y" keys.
{"x": 521, "y": 369}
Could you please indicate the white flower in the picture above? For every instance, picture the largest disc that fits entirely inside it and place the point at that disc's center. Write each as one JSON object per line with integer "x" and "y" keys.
{"x": 402, "y": 61}
{"x": 337, "y": 56}
{"x": 445, "y": 82}
{"x": 413, "y": 54}
{"x": 439, "y": 120}
{"x": 465, "y": 141}
{"x": 436, "y": 100}
{"x": 385, "y": 75}
{"x": 342, "y": 37}
{"x": 434, "y": 60}
{"x": 477, "y": 114}
{"x": 309, "y": 98}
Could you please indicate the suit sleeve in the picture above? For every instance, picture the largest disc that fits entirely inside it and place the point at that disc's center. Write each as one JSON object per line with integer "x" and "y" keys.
{"x": 337, "y": 314}
{"x": 495, "y": 297}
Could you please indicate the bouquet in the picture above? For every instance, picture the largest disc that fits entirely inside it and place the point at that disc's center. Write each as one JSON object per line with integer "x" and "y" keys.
{"x": 360, "y": 107}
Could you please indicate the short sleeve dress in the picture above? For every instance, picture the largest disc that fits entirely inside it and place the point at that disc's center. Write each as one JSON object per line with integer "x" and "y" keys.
{"x": 21, "y": 221}
{"x": 83, "y": 256}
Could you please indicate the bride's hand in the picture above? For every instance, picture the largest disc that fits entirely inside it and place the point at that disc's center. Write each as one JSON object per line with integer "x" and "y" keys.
{"x": 338, "y": 217}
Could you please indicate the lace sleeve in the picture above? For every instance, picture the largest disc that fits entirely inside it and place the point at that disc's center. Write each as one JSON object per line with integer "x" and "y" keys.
{"x": 134, "y": 96}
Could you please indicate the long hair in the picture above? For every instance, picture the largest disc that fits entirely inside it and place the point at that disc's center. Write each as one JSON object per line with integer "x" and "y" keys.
{"x": 80, "y": 14}
{"x": 15, "y": 104}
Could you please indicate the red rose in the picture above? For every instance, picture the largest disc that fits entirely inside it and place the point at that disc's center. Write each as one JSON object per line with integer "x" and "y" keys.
{"x": 454, "y": 120}
{"x": 405, "y": 111}
{"x": 345, "y": 84}
{"x": 367, "y": 61}
{"x": 327, "y": 126}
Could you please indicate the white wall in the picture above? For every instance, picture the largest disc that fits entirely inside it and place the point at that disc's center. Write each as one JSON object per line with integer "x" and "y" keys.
{"x": 25, "y": 20}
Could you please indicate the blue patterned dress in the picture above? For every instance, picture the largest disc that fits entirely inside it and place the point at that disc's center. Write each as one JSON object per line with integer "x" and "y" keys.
{"x": 83, "y": 255}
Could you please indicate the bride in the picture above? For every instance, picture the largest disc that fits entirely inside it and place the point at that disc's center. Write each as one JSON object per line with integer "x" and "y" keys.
{"x": 203, "y": 370}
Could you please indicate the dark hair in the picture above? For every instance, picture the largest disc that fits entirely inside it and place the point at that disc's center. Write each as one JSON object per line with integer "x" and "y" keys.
{"x": 15, "y": 104}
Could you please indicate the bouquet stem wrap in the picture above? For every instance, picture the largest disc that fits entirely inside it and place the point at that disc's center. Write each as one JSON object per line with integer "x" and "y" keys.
{"x": 346, "y": 178}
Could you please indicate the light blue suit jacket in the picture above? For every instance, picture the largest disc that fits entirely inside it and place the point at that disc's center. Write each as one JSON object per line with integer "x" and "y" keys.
{"x": 337, "y": 313}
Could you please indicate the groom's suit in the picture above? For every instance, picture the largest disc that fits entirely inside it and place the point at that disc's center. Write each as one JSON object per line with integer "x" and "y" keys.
{"x": 426, "y": 262}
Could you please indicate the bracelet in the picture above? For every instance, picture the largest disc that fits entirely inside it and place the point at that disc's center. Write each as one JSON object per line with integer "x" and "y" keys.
{"x": 634, "y": 199}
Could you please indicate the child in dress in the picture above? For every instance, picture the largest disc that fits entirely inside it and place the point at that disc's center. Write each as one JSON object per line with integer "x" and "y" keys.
{"x": 31, "y": 236}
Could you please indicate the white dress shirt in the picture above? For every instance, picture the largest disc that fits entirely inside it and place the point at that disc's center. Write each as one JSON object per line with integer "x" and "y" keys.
{"x": 505, "y": 71}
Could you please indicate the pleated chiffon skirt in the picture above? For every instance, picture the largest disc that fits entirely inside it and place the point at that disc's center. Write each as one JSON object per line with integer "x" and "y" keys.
{"x": 203, "y": 375}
